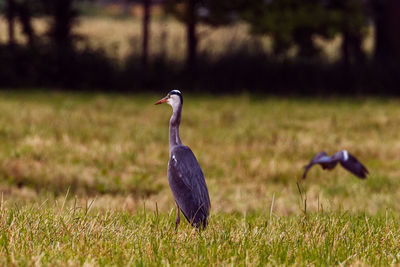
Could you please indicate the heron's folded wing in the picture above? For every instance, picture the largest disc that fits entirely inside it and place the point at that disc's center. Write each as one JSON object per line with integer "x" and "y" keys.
{"x": 188, "y": 185}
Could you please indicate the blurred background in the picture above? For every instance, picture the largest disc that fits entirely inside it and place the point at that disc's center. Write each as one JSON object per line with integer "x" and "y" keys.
{"x": 265, "y": 46}
{"x": 80, "y": 78}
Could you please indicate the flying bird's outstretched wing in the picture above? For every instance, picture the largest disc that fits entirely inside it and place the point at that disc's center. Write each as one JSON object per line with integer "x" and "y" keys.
{"x": 323, "y": 159}
{"x": 351, "y": 163}
{"x": 348, "y": 161}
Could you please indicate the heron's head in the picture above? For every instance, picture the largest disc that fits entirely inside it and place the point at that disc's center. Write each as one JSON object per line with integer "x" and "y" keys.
{"x": 174, "y": 99}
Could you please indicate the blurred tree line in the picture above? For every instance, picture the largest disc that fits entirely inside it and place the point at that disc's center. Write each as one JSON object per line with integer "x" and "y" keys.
{"x": 54, "y": 59}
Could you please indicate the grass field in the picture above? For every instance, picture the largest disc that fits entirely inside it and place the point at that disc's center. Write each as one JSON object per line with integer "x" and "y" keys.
{"x": 83, "y": 181}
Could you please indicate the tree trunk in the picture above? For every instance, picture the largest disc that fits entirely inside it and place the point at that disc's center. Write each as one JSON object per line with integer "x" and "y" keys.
{"x": 387, "y": 44}
{"x": 387, "y": 25}
{"x": 146, "y": 25}
{"x": 191, "y": 58}
{"x": 25, "y": 17}
{"x": 11, "y": 21}
{"x": 346, "y": 50}
{"x": 352, "y": 53}
{"x": 63, "y": 15}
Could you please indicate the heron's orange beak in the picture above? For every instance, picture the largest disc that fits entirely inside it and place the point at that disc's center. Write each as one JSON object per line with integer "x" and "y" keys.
{"x": 161, "y": 101}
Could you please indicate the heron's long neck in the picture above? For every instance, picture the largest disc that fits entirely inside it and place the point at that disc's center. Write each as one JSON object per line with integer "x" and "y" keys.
{"x": 174, "y": 138}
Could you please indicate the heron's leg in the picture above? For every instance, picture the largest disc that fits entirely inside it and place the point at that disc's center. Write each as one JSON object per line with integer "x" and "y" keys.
{"x": 178, "y": 217}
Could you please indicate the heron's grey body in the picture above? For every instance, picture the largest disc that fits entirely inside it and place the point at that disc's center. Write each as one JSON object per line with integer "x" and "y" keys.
{"x": 188, "y": 185}
{"x": 347, "y": 160}
{"x": 185, "y": 177}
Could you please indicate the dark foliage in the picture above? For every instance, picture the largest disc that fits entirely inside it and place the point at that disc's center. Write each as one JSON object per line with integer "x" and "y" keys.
{"x": 55, "y": 61}
{"x": 247, "y": 69}
{"x": 46, "y": 67}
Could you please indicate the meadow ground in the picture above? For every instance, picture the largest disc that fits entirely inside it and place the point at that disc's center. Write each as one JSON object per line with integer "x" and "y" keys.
{"x": 83, "y": 181}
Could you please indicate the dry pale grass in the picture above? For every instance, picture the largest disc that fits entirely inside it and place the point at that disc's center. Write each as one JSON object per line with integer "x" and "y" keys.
{"x": 167, "y": 37}
{"x": 83, "y": 181}
{"x": 252, "y": 150}
{"x": 122, "y": 37}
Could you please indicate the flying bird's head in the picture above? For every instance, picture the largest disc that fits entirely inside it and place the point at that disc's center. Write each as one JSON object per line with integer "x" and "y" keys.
{"x": 173, "y": 98}
{"x": 345, "y": 155}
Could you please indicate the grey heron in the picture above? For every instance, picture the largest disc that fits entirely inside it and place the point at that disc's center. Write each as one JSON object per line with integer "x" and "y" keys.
{"x": 185, "y": 177}
{"x": 347, "y": 160}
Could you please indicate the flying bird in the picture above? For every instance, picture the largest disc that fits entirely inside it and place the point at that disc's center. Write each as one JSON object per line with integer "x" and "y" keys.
{"x": 348, "y": 161}
{"x": 185, "y": 177}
